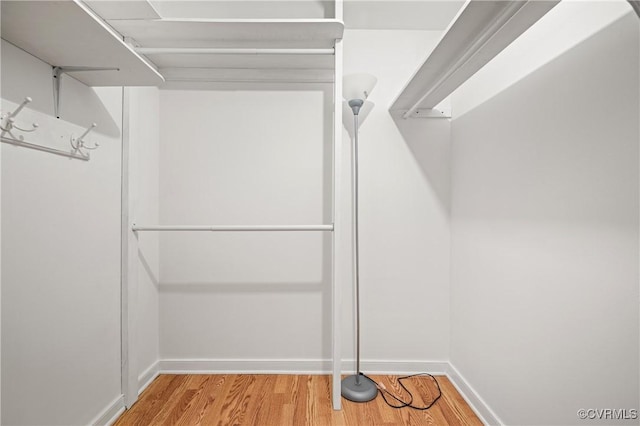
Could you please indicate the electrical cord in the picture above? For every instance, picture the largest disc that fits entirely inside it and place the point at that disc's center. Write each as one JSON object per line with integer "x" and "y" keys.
{"x": 384, "y": 393}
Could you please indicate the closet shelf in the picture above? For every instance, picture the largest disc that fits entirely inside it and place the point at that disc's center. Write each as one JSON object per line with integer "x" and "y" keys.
{"x": 274, "y": 33}
{"x": 236, "y": 50}
{"x": 480, "y": 31}
{"x": 69, "y": 34}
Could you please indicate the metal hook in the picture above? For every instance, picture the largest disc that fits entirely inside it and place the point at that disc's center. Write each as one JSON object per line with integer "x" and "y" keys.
{"x": 34, "y": 127}
{"x": 22, "y": 105}
{"x": 8, "y": 121}
{"x": 78, "y": 144}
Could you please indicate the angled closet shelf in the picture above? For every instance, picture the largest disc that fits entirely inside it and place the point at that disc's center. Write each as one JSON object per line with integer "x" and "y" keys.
{"x": 480, "y": 31}
{"x": 57, "y": 32}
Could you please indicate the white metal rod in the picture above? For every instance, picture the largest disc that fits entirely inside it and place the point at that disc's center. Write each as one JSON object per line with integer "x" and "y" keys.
{"x": 246, "y": 81}
{"x": 224, "y": 228}
{"x": 230, "y": 51}
{"x": 24, "y": 144}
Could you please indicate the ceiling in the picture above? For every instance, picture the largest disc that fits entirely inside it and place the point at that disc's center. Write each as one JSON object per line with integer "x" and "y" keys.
{"x": 400, "y": 15}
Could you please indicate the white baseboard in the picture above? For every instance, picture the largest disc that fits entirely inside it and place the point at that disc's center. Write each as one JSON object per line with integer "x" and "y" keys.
{"x": 481, "y": 408}
{"x": 111, "y": 413}
{"x": 245, "y": 366}
{"x": 296, "y": 366}
{"x": 148, "y": 376}
{"x": 403, "y": 367}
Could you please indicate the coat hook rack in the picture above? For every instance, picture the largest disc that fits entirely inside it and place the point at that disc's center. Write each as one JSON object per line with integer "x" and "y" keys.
{"x": 7, "y": 126}
{"x": 79, "y": 145}
{"x": 8, "y": 121}
{"x": 57, "y": 76}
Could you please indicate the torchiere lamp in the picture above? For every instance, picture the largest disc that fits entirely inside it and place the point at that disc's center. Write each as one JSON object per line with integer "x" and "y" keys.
{"x": 356, "y": 89}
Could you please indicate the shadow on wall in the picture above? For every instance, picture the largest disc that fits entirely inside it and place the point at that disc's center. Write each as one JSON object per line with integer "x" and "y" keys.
{"x": 546, "y": 242}
{"x": 428, "y": 139}
{"x": 148, "y": 270}
{"x": 571, "y": 161}
{"x": 535, "y": 49}
{"x": 262, "y": 304}
{"x": 90, "y": 107}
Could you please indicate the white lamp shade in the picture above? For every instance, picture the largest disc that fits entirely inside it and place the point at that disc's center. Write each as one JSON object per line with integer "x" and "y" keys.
{"x": 358, "y": 86}
{"x": 347, "y": 116}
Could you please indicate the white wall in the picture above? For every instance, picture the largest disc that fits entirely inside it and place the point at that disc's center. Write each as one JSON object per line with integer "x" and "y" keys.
{"x": 144, "y": 125}
{"x": 264, "y": 157}
{"x": 544, "y": 294}
{"x": 245, "y": 157}
{"x": 404, "y": 210}
{"x": 60, "y": 256}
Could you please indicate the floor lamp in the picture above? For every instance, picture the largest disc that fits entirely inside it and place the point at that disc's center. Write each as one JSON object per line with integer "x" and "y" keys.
{"x": 356, "y": 89}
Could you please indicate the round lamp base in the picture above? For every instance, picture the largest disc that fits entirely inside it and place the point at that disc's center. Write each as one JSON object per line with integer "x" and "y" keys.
{"x": 359, "y": 388}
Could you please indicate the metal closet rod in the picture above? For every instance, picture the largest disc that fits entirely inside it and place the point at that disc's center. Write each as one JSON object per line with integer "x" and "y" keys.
{"x": 232, "y": 51}
{"x": 224, "y": 228}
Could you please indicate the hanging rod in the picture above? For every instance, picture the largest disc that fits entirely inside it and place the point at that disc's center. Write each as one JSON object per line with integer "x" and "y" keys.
{"x": 480, "y": 31}
{"x": 30, "y": 145}
{"x": 224, "y": 228}
{"x": 231, "y": 51}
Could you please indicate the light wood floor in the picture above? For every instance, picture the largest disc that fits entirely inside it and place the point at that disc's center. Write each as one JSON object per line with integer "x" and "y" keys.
{"x": 280, "y": 400}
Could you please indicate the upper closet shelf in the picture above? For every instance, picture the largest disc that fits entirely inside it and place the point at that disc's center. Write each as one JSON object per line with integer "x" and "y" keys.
{"x": 69, "y": 34}
{"x": 233, "y": 33}
{"x": 480, "y": 31}
{"x": 236, "y": 51}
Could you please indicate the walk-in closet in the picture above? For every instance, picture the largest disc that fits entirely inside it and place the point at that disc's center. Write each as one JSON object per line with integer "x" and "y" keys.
{"x": 345, "y": 212}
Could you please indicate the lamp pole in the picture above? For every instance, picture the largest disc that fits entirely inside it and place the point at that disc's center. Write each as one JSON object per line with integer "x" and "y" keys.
{"x": 357, "y": 388}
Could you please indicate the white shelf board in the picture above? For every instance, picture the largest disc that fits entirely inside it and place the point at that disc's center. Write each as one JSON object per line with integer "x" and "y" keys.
{"x": 68, "y": 33}
{"x": 293, "y": 62}
{"x": 123, "y": 9}
{"x": 480, "y": 31}
{"x": 175, "y": 41}
{"x": 249, "y": 33}
{"x": 245, "y": 9}
{"x": 246, "y": 75}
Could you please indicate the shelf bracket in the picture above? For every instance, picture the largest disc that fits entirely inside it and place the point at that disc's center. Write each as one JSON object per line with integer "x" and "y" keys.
{"x": 442, "y": 112}
{"x": 431, "y": 113}
{"x": 57, "y": 75}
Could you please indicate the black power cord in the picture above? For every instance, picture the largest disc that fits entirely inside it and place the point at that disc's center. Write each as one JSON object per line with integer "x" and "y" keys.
{"x": 385, "y": 393}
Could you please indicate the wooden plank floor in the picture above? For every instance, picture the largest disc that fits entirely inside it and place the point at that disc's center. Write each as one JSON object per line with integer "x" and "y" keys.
{"x": 280, "y": 400}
